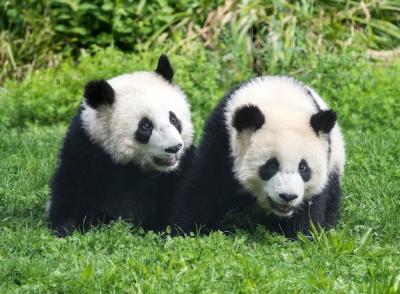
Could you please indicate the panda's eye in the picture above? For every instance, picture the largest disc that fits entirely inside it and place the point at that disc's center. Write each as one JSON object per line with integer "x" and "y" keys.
{"x": 304, "y": 170}
{"x": 175, "y": 121}
{"x": 303, "y": 167}
{"x": 172, "y": 118}
{"x": 145, "y": 125}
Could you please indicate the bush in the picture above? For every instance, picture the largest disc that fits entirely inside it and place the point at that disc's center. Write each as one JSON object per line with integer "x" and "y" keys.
{"x": 34, "y": 32}
{"x": 273, "y": 34}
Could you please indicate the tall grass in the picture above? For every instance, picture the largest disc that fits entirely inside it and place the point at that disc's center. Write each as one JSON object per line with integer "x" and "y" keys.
{"x": 277, "y": 34}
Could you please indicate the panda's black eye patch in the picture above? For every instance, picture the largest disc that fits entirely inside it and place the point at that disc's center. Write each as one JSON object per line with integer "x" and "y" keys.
{"x": 175, "y": 121}
{"x": 269, "y": 169}
{"x": 304, "y": 170}
{"x": 144, "y": 130}
{"x": 145, "y": 125}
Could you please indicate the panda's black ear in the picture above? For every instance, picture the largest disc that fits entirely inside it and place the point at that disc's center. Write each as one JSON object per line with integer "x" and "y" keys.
{"x": 248, "y": 117}
{"x": 323, "y": 121}
{"x": 164, "y": 68}
{"x": 98, "y": 93}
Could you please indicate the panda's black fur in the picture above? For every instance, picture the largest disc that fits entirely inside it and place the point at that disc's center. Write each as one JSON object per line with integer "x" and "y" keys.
{"x": 210, "y": 190}
{"x": 87, "y": 180}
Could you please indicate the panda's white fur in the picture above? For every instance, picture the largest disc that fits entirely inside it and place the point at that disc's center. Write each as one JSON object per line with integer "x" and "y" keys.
{"x": 286, "y": 135}
{"x": 137, "y": 95}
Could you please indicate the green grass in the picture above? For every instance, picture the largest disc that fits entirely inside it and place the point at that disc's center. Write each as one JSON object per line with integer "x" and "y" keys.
{"x": 361, "y": 255}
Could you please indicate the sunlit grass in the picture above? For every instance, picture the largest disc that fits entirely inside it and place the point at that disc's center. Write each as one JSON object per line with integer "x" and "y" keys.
{"x": 361, "y": 255}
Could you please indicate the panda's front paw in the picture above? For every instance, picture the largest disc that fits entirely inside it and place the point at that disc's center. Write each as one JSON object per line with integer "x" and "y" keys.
{"x": 65, "y": 230}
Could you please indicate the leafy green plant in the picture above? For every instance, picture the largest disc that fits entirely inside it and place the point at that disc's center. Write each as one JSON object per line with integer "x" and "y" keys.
{"x": 34, "y": 32}
{"x": 273, "y": 34}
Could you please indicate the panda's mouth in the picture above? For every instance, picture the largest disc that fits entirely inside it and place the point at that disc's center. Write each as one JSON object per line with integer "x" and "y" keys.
{"x": 168, "y": 161}
{"x": 282, "y": 209}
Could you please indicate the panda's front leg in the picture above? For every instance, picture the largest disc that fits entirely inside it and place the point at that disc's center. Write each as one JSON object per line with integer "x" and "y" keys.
{"x": 65, "y": 229}
{"x": 311, "y": 213}
{"x": 65, "y": 218}
{"x": 334, "y": 195}
{"x": 81, "y": 224}
{"x": 322, "y": 210}
{"x": 64, "y": 225}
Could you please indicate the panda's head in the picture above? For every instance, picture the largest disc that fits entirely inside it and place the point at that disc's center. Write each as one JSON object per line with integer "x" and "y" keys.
{"x": 280, "y": 152}
{"x": 139, "y": 118}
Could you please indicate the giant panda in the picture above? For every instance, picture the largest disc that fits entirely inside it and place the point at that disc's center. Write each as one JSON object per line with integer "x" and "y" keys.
{"x": 123, "y": 154}
{"x": 272, "y": 142}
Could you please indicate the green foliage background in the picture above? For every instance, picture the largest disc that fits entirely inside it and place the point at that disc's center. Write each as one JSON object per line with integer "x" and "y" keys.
{"x": 275, "y": 33}
{"x": 50, "y": 49}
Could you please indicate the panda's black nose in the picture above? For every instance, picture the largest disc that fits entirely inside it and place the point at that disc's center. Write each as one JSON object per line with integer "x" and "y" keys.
{"x": 288, "y": 197}
{"x": 173, "y": 149}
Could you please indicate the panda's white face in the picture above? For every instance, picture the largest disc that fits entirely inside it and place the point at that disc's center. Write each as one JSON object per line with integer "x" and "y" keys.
{"x": 162, "y": 144}
{"x": 279, "y": 140}
{"x": 148, "y": 122}
{"x": 280, "y": 170}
